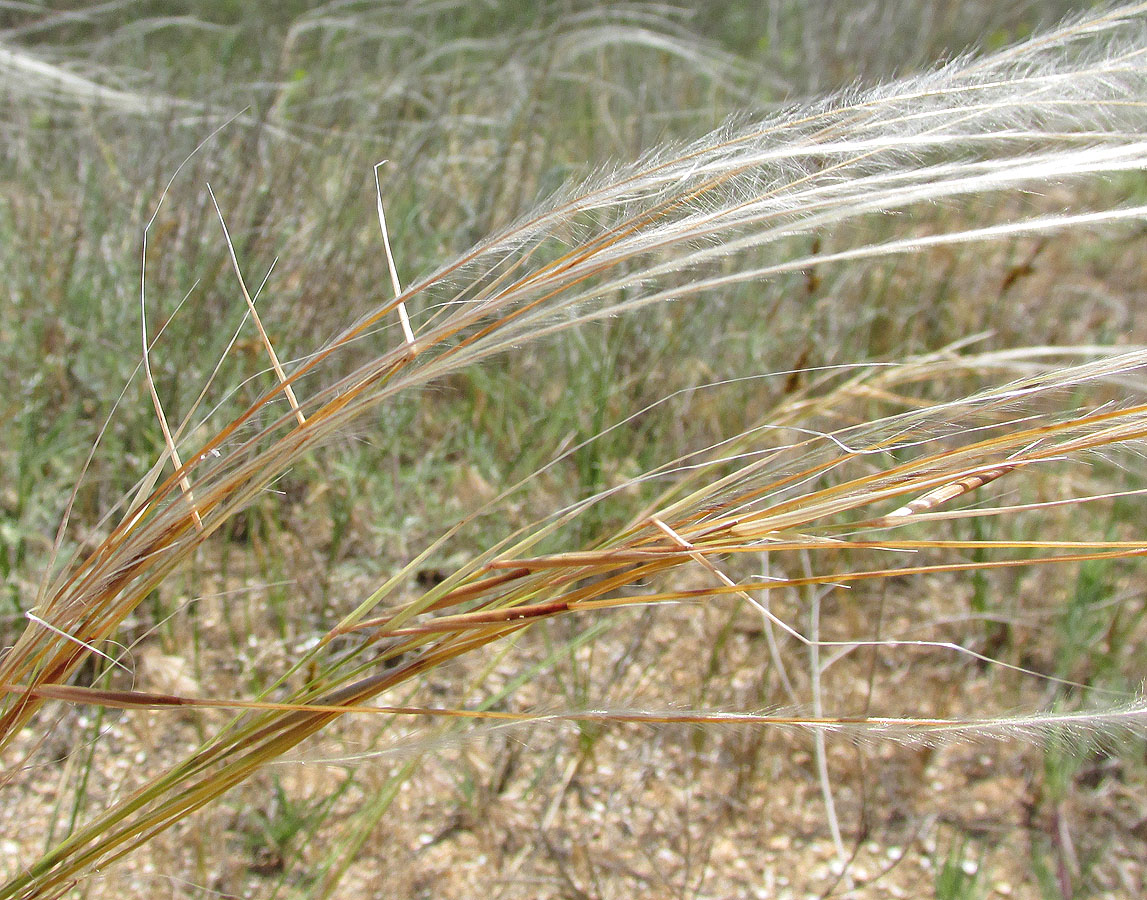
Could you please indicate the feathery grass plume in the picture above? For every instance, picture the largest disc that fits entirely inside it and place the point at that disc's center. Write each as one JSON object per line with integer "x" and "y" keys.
{"x": 24, "y": 73}
{"x": 682, "y": 223}
{"x": 745, "y": 503}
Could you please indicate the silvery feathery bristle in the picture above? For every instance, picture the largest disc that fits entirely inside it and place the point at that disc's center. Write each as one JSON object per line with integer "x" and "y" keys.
{"x": 25, "y": 73}
{"x": 1079, "y": 730}
{"x": 1067, "y": 105}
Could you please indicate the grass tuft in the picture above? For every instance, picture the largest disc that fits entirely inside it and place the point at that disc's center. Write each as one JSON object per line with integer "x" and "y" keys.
{"x": 731, "y": 504}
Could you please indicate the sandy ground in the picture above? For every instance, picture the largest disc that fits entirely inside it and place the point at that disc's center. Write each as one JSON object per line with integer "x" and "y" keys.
{"x": 562, "y": 811}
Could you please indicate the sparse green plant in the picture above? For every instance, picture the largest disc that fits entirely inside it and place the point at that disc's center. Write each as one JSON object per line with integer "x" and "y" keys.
{"x": 958, "y": 877}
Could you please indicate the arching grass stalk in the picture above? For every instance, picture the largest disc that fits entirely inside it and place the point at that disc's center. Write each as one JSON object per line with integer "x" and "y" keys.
{"x": 687, "y": 222}
{"x": 827, "y": 495}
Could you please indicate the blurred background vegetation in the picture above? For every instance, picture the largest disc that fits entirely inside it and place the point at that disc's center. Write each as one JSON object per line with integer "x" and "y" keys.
{"x": 481, "y": 109}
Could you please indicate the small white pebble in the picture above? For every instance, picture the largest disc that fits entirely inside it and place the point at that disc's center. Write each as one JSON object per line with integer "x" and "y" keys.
{"x": 1002, "y": 887}
{"x": 894, "y": 853}
{"x": 970, "y": 867}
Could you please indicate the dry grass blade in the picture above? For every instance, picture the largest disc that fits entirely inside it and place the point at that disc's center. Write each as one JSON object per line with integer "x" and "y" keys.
{"x": 683, "y": 223}
{"x": 256, "y": 318}
{"x": 711, "y": 523}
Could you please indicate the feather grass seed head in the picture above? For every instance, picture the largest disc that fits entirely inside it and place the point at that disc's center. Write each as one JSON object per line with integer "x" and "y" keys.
{"x": 684, "y": 223}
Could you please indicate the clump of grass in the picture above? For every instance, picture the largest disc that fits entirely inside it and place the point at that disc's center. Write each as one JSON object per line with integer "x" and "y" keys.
{"x": 810, "y": 483}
